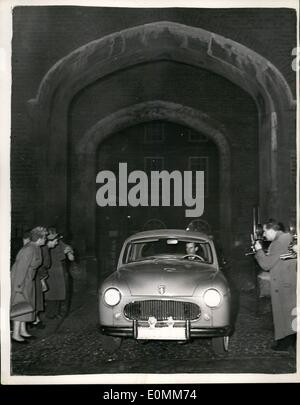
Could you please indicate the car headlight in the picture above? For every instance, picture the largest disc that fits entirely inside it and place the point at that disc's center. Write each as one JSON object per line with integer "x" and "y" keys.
{"x": 112, "y": 296}
{"x": 212, "y": 298}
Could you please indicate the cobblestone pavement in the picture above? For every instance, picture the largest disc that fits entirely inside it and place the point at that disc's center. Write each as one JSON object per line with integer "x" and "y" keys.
{"x": 74, "y": 345}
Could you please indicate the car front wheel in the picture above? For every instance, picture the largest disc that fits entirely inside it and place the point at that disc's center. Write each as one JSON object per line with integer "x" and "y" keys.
{"x": 220, "y": 345}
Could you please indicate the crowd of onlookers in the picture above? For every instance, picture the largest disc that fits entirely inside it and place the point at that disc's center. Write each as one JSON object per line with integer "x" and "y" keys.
{"x": 39, "y": 281}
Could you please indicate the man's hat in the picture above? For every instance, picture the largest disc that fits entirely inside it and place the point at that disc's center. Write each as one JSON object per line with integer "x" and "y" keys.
{"x": 52, "y": 236}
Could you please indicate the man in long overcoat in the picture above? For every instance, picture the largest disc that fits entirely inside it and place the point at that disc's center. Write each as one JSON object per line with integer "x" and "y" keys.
{"x": 42, "y": 273}
{"x": 58, "y": 276}
{"x": 283, "y": 282}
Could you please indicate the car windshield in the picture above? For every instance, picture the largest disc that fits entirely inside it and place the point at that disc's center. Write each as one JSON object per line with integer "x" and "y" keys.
{"x": 170, "y": 248}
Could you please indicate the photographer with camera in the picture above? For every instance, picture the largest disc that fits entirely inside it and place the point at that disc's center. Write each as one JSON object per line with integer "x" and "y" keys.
{"x": 283, "y": 282}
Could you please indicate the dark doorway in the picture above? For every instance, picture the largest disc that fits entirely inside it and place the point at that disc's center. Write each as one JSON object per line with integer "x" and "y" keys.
{"x": 153, "y": 146}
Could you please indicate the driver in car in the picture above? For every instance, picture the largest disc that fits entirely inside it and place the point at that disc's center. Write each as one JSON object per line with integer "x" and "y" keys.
{"x": 191, "y": 249}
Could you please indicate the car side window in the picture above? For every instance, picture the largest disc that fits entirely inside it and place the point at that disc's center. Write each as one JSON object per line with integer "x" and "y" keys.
{"x": 127, "y": 253}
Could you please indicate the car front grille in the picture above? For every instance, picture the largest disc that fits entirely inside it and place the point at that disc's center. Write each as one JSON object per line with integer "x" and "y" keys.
{"x": 161, "y": 310}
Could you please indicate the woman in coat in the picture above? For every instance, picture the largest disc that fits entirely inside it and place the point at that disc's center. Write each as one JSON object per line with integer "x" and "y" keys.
{"x": 23, "y": 285}
{"x": 283, "y": 282}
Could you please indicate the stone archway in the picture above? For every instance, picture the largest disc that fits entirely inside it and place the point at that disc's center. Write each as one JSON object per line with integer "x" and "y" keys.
{"x": 144, "y": 112}
{"x": 156, "y": 42}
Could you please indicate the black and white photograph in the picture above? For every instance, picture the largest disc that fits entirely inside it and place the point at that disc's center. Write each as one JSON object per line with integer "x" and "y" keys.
{"x": 149, "y": 199}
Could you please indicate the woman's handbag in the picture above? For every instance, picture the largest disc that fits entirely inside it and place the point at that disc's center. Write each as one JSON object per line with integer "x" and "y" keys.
{"x": 20, "y": 305}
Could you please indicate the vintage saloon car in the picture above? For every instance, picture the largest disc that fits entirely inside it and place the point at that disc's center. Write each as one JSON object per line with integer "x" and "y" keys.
{"x": 168, "y": 285}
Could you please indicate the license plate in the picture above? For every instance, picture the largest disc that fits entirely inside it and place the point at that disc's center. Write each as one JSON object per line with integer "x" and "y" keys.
{"x": 164, "y": 333}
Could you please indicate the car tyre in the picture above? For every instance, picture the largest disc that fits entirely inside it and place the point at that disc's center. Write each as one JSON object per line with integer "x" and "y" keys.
{"x": 111, "y": 344}
{"x": 220, "y": 345}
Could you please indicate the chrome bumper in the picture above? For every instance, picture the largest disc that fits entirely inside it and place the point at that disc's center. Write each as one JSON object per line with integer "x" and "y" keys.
{"x": 190, "y": 332}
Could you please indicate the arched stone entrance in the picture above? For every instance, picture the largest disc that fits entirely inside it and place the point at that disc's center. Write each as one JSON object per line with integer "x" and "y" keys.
{"x": 182, "y": 44}
{"x": 144, "y": 112}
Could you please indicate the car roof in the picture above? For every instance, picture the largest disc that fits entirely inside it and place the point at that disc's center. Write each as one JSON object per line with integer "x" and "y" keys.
{"x": 169, "y": 233}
